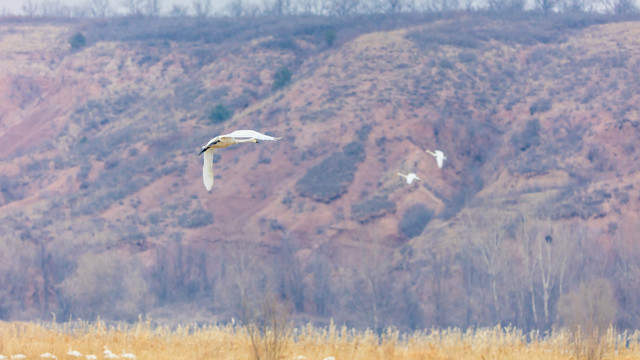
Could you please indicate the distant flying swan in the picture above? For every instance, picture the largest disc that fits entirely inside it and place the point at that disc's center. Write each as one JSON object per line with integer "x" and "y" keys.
{"x": 409, "y": 177}
{"x": 439, "y": 155}
{"x": 222, "y": 141}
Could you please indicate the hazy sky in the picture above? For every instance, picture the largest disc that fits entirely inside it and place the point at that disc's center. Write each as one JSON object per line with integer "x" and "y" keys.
{"x": 15, "y": 6}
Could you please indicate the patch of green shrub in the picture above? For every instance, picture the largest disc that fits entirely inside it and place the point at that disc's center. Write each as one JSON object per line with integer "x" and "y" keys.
{"x": 77, "y": 41}
{"x": 281, "y": 77}
{"x": 219, "y": 114}
{"x": 329, "y": 37}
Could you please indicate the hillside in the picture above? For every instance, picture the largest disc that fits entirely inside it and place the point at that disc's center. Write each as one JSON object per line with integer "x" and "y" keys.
{"x": 99, "y": 175}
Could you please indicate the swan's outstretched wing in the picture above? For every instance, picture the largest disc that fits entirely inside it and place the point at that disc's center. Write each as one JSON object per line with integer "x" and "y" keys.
{"x": 439, "y": 155}
{"x": 250, "y": 134}
{"x": 207, "y": 169}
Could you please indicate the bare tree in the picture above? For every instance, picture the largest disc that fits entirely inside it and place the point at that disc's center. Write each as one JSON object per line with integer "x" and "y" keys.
{"x": 245, "y": 279}
{"x": 321, "y": 290}
{"x": 236, "y": 8}
{"x": 202, "y": 8}
{"x": 525, "y": 240}
{"x": 394, "y": 6}
{"x": 343, "y": 7}
{"x": 506, "y": 5}
{"x": 18, "y": 259}
{"x": 277, "y": 7}
{"x": 486, "y": 234}
{"x": 54, "y": 8}
{"x": 546, "y": 6}
{"x": 574, "y": 6}
{"x": 30, "y": 8}
{"x": 627, "y": 276}
{"x": 468, "y": 4}
{"x": 441, "y": 5}
{"x": 134, "y": 7}
{"x": 178, "y": 10}
{"x": 99, "y": 8}
{"x": 369, "y": 282}
{"x": 270, "y": 332}
{"x": 554, "y": 247}
{"x": 590, "y": 308}
{"x": 313, "y": 7}
{"x": 104, "y": 284}
{"x": 441, "y": 259}
{"x": 622, "y": 7}
{"x": 152, "y": 7}
{"x": 548, "y": 266}
{"x": 180, "y": 271}
{"x": 292, "y": 276}
{"x": 387, "y": 6}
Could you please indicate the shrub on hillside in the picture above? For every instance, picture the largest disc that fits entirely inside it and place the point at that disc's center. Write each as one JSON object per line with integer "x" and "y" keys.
{"x": 329, "y": 37}
{"x": 414, "y": 220}
{"x": 195, "y": 219}
{"x": 330, "y": 179}
{"x": 446, "y": 64}
{"x": 281, "y": 77}
{"x": 148, "y": 60}
{"x": 467, "y": 57}
{"x": 77, "y": 41}
{"x": 541, "y": 105}
{"x": 369, "y": 209}
{"x": 282, "y": 43}
{"x": 219, "y": 114}
{"x": 529, "y": 137}
{"x": 11, "y": 189}
{"x": 363, "y": 132}
{"x": 83, "y": 171}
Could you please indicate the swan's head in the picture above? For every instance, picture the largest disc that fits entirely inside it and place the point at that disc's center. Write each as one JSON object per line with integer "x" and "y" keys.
{"x": 211, "y": 142}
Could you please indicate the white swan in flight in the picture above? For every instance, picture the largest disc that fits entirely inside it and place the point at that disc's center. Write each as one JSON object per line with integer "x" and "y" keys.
{"x": 222, "y": 141}
{"x": 409, "y": 177}
{"x": 439, "y": 155}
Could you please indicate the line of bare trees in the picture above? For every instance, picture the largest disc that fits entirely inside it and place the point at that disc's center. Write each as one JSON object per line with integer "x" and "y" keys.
{"x": 502, "y": 267}
{"x": 238, "y": 8}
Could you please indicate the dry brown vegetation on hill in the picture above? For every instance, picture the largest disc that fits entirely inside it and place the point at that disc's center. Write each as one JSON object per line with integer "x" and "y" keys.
{"x": 103, "y": 211}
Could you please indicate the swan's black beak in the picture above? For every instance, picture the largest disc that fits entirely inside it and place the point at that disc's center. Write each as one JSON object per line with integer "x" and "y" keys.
{"x": 204, "y": 148}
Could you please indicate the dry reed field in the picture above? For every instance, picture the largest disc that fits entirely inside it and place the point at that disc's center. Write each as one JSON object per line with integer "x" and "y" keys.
{"x": 149, "y": 341}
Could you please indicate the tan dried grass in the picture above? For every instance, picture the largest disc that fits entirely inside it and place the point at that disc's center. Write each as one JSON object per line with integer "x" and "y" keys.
{"x": 232, "y": 341}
